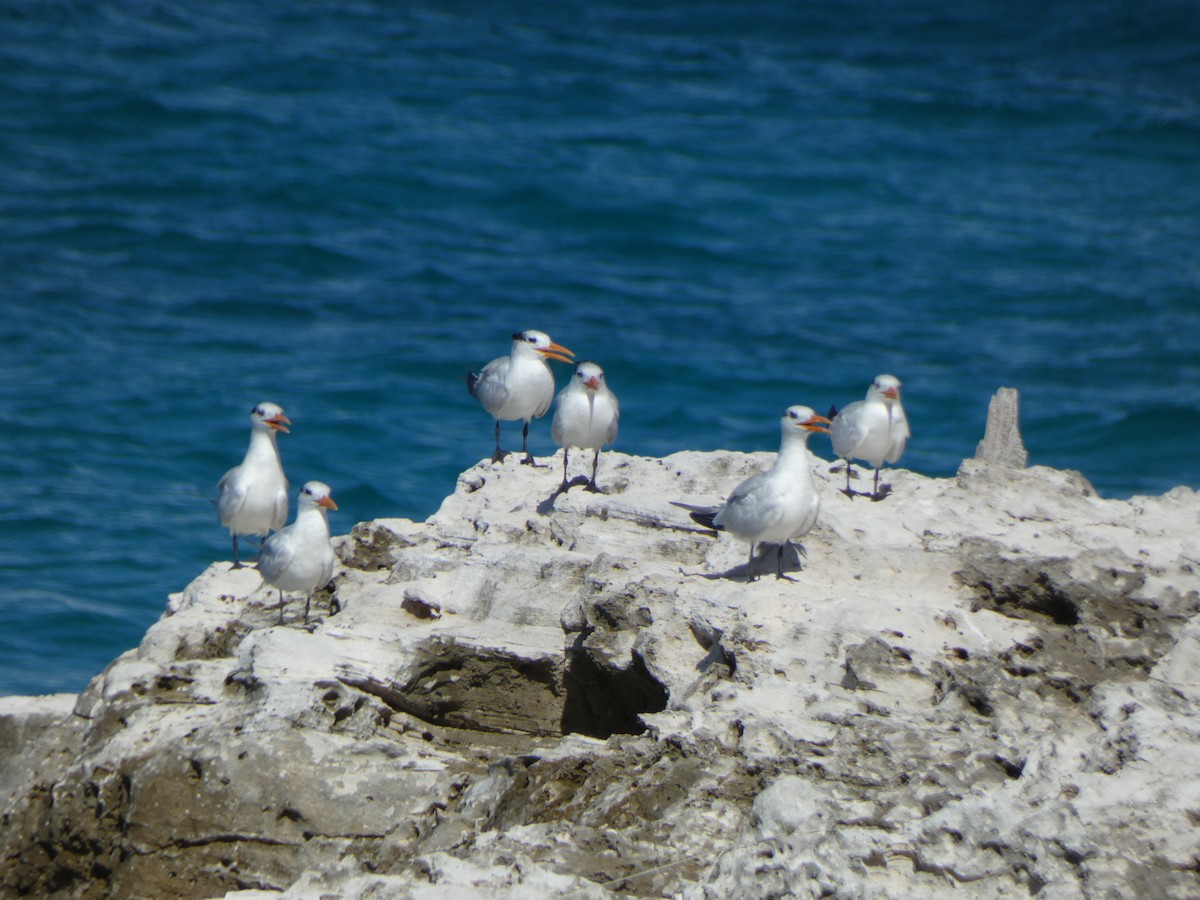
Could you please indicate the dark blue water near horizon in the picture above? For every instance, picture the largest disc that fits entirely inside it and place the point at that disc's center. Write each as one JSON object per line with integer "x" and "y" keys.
{"x": 733, "y": 207}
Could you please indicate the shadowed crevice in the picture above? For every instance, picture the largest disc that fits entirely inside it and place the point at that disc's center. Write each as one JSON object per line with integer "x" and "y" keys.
{"x": 602, "y": 701}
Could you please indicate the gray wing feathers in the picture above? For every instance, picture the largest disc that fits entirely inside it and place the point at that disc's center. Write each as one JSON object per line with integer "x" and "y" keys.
{"x": 611, "y": 434}
{"x": 274, "y": 558}
{"x": 281, "y": 507}
{"x": 231, "y": 496}
{"x": 488, "y": 386}
{"x": 847, "y": 430}
{"x": 900, "y": 435}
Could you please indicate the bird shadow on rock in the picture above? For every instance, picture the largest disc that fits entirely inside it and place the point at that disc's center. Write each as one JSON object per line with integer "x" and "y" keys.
{"x": 313, "y": 618}
{"x": 751, "y": 572}
{"x": 885, "y": 491}
{"x": 547, "y": 506}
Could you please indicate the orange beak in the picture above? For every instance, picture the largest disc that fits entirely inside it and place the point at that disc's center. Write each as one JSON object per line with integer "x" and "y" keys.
{"x": 278, "y": 422}
{"x": 814, "y": 424}
{"x": 592, "y": 384}
{"x": 892, "y": 394}
{"x": 327, "y": 502}
{"x": 559, "y": 352}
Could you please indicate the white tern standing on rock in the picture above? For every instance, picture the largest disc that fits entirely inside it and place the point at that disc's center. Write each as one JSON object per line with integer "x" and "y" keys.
{"x": 520, "y": 385}
{"x": 300, "y": 557}
{"x": 585, "y": 416}
{"x": 253, "y": 497}
{"x": 777, "y": 506}
{"x": 874, "y": 430}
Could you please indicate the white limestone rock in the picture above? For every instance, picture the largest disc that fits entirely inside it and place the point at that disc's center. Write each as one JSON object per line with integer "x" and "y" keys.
{"x": 982, "y": 684}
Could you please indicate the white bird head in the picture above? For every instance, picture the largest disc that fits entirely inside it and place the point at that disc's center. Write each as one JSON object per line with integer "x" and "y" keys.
{"x": 540, "y": 343}
{"x": 802, "y": 419}
{"x": 269, "y": 415}
{"x": 886, "y": 386}
{"x": 316, "y": 493}
{"x": 590, "y": 375}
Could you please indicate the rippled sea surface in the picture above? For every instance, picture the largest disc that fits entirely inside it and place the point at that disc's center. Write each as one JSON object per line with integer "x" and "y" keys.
{"x": 733, "y": 207}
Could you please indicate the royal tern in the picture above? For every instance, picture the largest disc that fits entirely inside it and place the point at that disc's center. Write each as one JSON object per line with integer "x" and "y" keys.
{"x": 779, "y": 505}
{"x": 253, "y": 497}
{"x": 300, "y": 557}
{"x": 874, "y": 430}
{"x": 520, "y": 385}
{"x": 585, "y": 416}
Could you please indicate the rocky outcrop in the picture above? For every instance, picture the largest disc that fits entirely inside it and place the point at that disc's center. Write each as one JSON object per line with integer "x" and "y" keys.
{"x": 982, "y": 685}
{"x": 1002, "y": 444}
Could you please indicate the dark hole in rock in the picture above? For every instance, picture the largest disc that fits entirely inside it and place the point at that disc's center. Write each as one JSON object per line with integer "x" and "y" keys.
{"x": 1074, "y": 857}
{"x": 718, "y": 656}
{"x": 603, "y": 701}
{"x": 1041, "y": 597}
{"x": 709, "y": 638}
{"x": 1017, "y": 590}
{"x": 1048, "y": 599}
{"x": 420, "y": 607}
{"x": 1011, "y": 769}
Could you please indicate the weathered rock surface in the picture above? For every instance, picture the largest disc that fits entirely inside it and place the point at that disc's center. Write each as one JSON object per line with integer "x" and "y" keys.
{"x": 983, "y": 686}
{"x": 1002, "y": 444}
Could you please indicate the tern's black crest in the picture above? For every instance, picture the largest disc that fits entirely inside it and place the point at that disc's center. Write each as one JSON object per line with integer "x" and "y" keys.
{"x": 472, "y": 380}
{"x": 833, "y": 411}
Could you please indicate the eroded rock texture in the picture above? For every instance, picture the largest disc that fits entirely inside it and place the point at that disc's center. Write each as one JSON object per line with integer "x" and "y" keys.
{"x": 983, "y": 685}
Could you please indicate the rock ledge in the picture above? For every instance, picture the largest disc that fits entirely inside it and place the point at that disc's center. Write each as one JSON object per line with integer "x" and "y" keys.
{"x": 986, "y": 683}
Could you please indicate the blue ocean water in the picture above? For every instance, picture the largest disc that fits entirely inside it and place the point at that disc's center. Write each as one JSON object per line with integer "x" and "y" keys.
{"x": 732, "y": 206}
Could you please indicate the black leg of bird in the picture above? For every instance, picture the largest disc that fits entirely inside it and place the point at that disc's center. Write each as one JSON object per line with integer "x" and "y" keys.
{"x": 528, "y": 460}
{"x": 499, "y": 455}
{"x": 592, "y": 486}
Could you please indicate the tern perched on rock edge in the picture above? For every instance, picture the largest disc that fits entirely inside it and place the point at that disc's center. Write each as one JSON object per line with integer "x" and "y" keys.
{"x": 520, "y": 385}
{"x": 300, "y": 557}
{"x": 779, "y": 505}
{"x": 253, "y": 497}
{"x": 874, "y": 430}
{"x": 585, "y": 416}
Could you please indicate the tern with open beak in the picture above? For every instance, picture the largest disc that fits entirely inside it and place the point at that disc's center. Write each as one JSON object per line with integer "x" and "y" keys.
{"x": 520, "y": 385}
{"x": 253, "y": 497}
